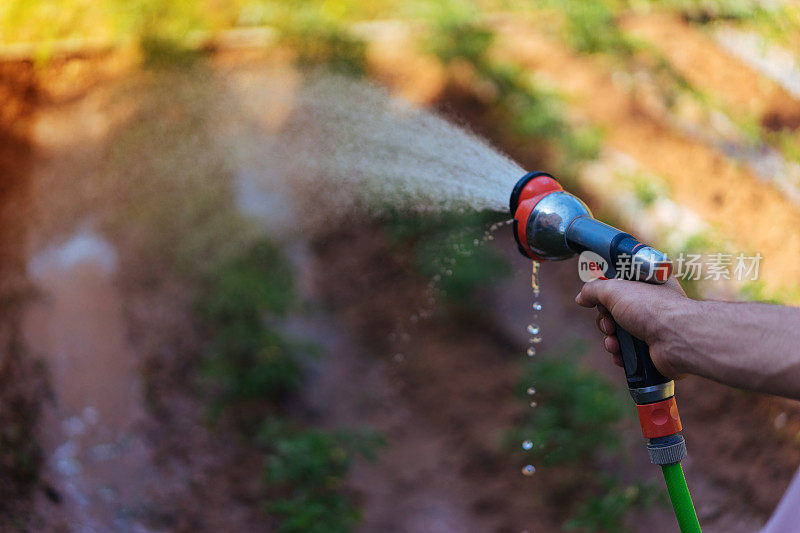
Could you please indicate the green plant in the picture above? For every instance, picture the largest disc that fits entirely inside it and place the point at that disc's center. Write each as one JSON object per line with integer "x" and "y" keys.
{"x": 606, "y": 510}
{"x": 577, "y": 414}
{"x": 444, "y": 248}
{"x": 646, "y": 187}
{"x": 318, "y": 40}
{"x": 315, "y": 31}
{"x": 786, "y": 141}
{"x": 575, "y": 424}
{"x": 591, "y": 27}
{"x": 308, "y": 468}
{"x": 528, "y": 110}
{"x": 161, "y": 52}
{"x": 456, "y": 34}
{"x": 248, "y": 356}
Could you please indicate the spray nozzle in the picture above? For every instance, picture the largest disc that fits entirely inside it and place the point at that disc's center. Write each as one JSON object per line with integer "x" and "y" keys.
{"x": 552, "y": 224}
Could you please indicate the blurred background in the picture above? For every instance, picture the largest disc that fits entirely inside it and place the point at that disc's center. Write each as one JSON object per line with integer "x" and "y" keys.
{"x": 182, "y": 349}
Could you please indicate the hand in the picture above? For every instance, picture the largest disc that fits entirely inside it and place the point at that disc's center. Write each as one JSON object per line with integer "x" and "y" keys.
{"x": 642, "y": 309}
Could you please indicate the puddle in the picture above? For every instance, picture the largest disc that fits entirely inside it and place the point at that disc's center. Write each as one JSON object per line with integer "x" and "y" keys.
{"x": 95, "y": 458}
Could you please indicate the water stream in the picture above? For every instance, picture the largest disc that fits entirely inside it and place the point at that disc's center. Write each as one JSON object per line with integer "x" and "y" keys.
{"x": 345, "y": 143}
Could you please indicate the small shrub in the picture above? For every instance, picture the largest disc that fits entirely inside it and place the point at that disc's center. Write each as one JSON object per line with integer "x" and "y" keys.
{"x": 607, "y": 509}
{"x": 578, "y": 411}
{"x": 247, "y": 356}
{"x": 576, "y": 423}
{"x": 443, "y": 245}
{"x": 308, "y": 467}
{"x": 457, "y": 35}
{"x": 591, "y": 27}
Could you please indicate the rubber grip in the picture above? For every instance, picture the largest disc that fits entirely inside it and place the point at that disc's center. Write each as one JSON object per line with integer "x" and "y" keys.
{"x": 639, "y": 368}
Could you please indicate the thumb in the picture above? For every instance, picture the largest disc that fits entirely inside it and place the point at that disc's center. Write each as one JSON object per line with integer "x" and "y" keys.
{"x": 605, "y": 292}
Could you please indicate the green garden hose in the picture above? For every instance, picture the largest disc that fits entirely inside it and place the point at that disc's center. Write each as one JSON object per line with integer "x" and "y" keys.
{"x": 680, "y": 497}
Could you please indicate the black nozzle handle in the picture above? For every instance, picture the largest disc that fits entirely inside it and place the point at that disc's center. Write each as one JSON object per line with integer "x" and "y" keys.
{"x": 645, "y": 382}
{"x": 640, "y": 371}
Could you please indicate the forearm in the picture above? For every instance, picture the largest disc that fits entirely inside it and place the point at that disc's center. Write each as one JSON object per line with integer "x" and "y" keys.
{"x": 747, "y": 345}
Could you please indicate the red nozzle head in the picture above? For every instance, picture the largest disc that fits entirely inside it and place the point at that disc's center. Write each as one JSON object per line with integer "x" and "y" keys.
{"x": 531, "y": 188}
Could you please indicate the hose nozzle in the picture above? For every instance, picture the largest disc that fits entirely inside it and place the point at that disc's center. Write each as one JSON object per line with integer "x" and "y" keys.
{"x": 551, "y": 224}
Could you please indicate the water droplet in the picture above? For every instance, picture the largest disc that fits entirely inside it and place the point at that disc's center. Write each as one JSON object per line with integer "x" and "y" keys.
{"x": 528, "y": 470}
{"x": 536, "y": 340}
{"x": 533, "y": 329}
{"x": 527, "y": 445}
{"x": 531, "y": 351}
{"x": 534, "y": 404}
{"x": 531, "y": 391}
{"x": 448, "y": 272}
{"x": 537, "y": 306}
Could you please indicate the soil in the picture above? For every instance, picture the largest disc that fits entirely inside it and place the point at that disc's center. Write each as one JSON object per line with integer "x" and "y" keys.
{"x": 21, "y": 384}
{"x": 709, "y": 68}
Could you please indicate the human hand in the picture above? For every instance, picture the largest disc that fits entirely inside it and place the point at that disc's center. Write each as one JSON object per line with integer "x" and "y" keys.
{"x": 643, "y": 309}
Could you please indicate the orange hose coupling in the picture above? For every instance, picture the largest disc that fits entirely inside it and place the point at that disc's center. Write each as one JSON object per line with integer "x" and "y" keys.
{"x": 659, "y": 419}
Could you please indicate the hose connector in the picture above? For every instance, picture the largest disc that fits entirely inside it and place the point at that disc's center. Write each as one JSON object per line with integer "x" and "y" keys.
{"x": 667, "y": 450}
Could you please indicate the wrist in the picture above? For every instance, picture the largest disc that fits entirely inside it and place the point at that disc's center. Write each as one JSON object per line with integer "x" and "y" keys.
{"x": 672, "y": 345}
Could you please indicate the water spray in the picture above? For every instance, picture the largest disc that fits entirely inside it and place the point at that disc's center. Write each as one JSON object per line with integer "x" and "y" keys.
{"x": 551, "y": 224}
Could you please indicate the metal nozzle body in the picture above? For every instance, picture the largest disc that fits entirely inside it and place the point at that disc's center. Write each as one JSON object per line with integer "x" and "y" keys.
{"x": 561, "y": 225}
{"x": 626, "y": 257}
{"x": 548, "y": 224}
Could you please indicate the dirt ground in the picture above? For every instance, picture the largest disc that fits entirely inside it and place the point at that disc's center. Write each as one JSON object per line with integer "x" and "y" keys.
{"x": 21, "y": 385}
{"x": 707, "y": 67}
